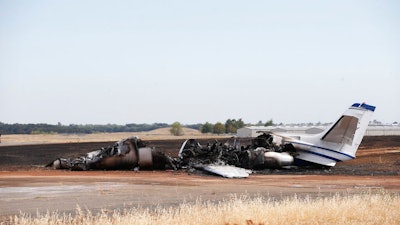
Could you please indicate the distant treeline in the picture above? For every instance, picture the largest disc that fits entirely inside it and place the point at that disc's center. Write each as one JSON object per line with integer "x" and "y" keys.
{"x": 43, "y": 128}
{"x": 230, "y": 126}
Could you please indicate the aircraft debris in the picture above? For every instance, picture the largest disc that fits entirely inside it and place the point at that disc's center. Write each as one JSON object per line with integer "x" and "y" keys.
{"x": 227, "y": 159}
{"x": 132, "y": 153}
{"x": 254, "y": 156}
{"x": 129, "y": 153}
{"x": 227, "y": 171}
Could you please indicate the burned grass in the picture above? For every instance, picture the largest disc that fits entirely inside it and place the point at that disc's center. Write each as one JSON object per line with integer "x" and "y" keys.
{"x": 376, "y": 156}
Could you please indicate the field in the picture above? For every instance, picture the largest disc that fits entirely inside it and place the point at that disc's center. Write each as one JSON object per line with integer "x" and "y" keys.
{"x": 367, "y": 208}
{"x": 26, "y": 186}
{"x": 158, "y": 134}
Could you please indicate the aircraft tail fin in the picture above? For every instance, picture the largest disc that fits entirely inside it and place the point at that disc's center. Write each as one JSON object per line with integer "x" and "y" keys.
{"x": 349, "y": 130}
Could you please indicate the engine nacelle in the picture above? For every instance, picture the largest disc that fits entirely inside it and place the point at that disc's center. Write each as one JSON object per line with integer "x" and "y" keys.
{"x": 280, "y": 158}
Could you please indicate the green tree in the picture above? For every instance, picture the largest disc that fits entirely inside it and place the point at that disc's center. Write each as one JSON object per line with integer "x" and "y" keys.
{"x": 207, "y": 128}
{"x": 269, "y": 123}
{"x": 260, "y": 123}
{"x": 176, "y": 129}
{"x": 219, "y": 128}
{"x": 231, "y": 125}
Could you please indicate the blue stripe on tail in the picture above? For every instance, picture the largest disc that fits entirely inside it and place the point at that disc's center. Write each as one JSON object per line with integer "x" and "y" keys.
{"x": 365, "y": 106}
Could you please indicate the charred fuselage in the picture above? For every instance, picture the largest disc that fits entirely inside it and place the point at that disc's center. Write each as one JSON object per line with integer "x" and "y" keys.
{"x": 125, "y": 154}
{"x": 132, "y": 153}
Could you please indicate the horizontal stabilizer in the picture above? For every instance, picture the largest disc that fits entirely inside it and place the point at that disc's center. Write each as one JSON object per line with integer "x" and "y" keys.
{"x": 227, "y": 171}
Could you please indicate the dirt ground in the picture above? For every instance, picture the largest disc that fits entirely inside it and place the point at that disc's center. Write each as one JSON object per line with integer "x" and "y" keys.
{"x": 26, "y": 186}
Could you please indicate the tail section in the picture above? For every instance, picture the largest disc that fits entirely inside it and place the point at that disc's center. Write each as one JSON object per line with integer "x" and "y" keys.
{"x": 340, "y": 141}
{"x": 349, "y": 130}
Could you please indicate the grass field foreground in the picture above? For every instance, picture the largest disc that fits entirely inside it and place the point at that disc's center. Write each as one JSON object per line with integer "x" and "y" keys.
{"x": 369, "y": 208}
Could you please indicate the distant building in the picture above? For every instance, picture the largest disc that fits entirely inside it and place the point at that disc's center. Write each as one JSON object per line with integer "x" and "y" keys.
{"x": 252, "y": 130}
{"x": 372, "y": 130}
{"x": 383, "y": 130}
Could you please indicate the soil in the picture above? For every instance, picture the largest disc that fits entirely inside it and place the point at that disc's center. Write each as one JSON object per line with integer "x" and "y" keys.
{"x": 27, "y": 186}
{"x": 378, "y": 155}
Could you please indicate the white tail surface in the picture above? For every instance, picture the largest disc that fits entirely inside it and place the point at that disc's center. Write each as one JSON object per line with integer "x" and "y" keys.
{"x": 340, "y": 141}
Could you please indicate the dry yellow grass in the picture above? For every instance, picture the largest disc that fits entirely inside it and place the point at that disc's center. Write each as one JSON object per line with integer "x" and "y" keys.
{"x": 380, "y": 208}
{"x": 158, "y": 134}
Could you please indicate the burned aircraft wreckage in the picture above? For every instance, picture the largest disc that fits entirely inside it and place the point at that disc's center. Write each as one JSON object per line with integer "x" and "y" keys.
{"x": 337, "y": 143}
{"x": 133, "y": 154}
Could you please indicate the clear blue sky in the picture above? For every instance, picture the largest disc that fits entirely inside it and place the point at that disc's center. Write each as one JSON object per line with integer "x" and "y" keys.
{"x": 98, "y": 62}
